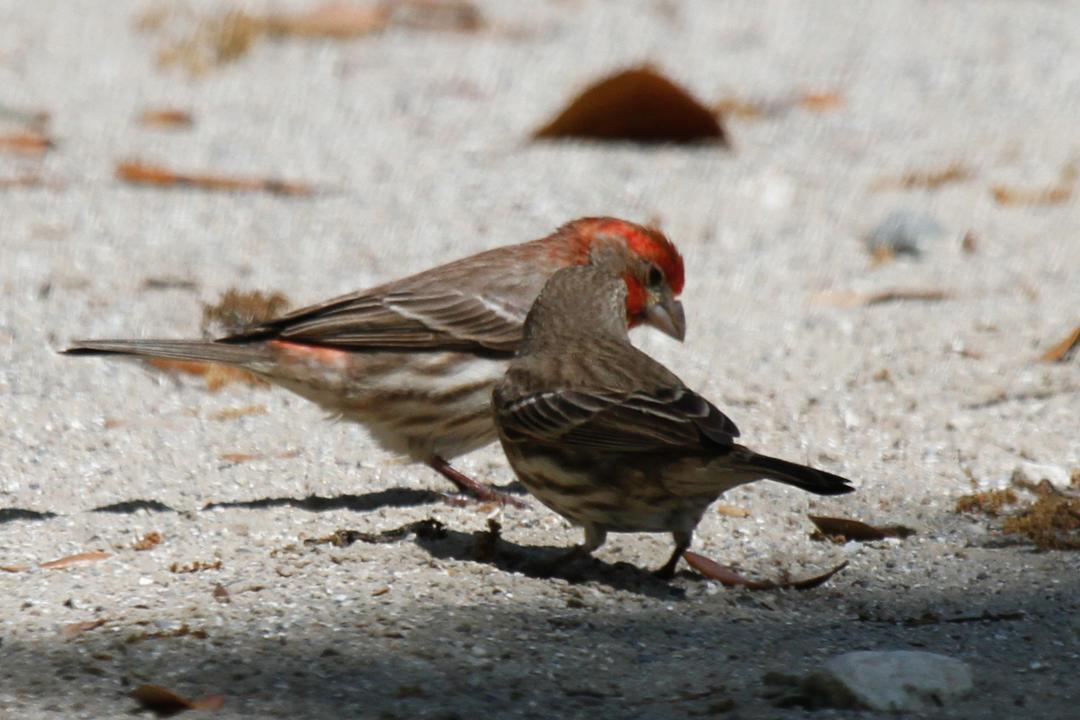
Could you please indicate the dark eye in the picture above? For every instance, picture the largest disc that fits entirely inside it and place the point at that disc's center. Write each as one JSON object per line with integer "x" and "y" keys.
{"x": 656, "y": 277}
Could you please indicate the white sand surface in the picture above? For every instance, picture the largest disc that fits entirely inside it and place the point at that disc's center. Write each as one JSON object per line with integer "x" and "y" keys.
{"x": 418, "y": 143}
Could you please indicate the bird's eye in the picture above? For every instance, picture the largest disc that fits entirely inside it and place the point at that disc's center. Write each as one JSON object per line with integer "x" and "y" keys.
{"x": 656, "y": 277}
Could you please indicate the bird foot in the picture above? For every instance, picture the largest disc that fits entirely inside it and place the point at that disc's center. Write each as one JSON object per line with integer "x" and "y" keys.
{"x": 477, "y": 492}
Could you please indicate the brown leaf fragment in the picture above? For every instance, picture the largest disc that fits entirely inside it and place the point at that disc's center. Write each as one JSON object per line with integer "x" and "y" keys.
{"x": 221, "y": 593}
{"x": 427, "y": 528}
{"x": 165, "y": 703}
{"x": 1052, "y": 522}
{"x": 215, "y": 375}
{"x": 740, "y": 109}
{"x": 1063, "y": 350}
{"x": 928, "y": 179}
{"x": 237, "y": 310}
{"x": 196, "y": 566}
{"x": 381, "y": 591}
{"x": 199, "y": 44}
{"x": 732, "y": 510}
{"x": 637, "y": 105}
{"x": 844, "y": 529}
{"x": 139, "y": 173}
{"x": 486, "y": 542}
{"x": 234, "y": 413}
{"x": 1054, "y": 195}
{"x": 821, "y": 101}
{"x": 987, "y": 502}
{"x": 169, "y": 282}
{"x": 730, "y": 578}
{"x": 167, "y": 118}
{"x": 78, "y": 628}
{"x": 66, "y": 562}
{"x": 25, "y": 143}
{"x": 438, "y": 15}
{"x": 26, "y": 181}
{"x": 970, "y": 243}
{"x": 14, "y": 568}
{"x": 183, "y": 631}
{"x": 332, "y": 20}
{"x": 149, "y": 541}
{"x": 849, "y": 298}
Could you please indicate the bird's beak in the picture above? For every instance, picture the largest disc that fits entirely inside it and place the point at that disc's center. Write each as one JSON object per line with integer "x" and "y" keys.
{"x": 666, "y": 315}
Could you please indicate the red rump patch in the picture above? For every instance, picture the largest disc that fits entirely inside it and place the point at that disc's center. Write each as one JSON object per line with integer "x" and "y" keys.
{"x": 327, "y": 355}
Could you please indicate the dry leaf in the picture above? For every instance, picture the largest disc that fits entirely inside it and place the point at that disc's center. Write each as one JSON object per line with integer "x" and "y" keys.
{"x": 66, "y": 562}
{"x": 334, "y": 20}
{"x": 164, "y": 702}
{"x": 820, "y": 101}
{"x": 248, "y": 457}
{"x": 443, "y": 15}
{"x": 78, "y": 628}
{"x": 1064, "y": 349}
{"x": 844, "y": 529}
{"x": 728, "y": 577}
{"x": 26, "y": 181}
{"x": 238, "y": 310}
{"x": 183, "y": 631}
{"x": 169, "y": 282}
{"x": 221, "y": 593}
{"x": 988, "y": 502}
{"x": 740, "y": 109}
{"x": 139, "y": 173}
{"x": 233, "y": 413}
{"x": 848, "y": 298}
{"x": 14, "y": 568}
{"x": 638, "y": 106}
{"x": 1055, "y": 195}
{"x": 169, "y": 118}
{"x": 732, "y": 510}
{"x": 929, "y": 179}
{"x": 26, "y": 143}
{"x": 215, "y": 375}
{"x": 381, "y": 591}
{"x": 149, "y": 541}
{"x": 194, "y": 567}
{"x": 207, "y": 42}
{"x": 970, "y": 243}
{"x": 1052, "y": 522}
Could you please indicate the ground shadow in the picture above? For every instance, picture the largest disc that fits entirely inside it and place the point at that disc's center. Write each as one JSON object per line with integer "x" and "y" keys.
{"x": 544, "y": 561}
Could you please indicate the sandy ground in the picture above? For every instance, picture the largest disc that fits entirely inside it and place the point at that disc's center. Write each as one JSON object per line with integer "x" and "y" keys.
{"x": 419, "y": 140}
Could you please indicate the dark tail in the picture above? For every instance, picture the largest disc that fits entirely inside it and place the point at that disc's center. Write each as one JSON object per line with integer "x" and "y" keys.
{"x": 806, "y": 478}
{"x": 197, "y": 350}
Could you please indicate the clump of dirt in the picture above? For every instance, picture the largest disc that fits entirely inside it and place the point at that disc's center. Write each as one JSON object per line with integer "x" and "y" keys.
{"x": 1047, "y": 516}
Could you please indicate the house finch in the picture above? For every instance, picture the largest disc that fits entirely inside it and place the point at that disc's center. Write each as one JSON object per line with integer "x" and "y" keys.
{"x": 415, "y": 360}
{"x": 609, "y": 438}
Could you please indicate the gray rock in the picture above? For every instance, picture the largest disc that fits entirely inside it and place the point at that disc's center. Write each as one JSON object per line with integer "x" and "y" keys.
{"x": 889, "y": 681}
{"x": 903, "y": 232}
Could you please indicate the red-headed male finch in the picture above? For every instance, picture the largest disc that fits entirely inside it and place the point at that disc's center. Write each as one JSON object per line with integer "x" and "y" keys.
{"x": 609, "y": 438}
{"x": 415, "y": 360}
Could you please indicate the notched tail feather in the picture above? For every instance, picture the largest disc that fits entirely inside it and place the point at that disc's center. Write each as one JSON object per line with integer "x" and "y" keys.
{"x": 806, "y": 478}
{"x": 196, "y": 350}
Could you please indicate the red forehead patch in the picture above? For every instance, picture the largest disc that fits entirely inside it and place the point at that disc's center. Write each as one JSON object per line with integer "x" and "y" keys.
{"x": 648, "y": 243}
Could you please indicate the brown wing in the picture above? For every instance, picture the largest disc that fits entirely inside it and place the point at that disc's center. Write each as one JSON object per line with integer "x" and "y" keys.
{"x": 475, "y": 305}
{"x": 663, "y": 420}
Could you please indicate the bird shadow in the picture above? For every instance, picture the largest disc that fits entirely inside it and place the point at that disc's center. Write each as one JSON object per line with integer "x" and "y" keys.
{"x": 539, "y": 561}
{"x": 394, "y": 497}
